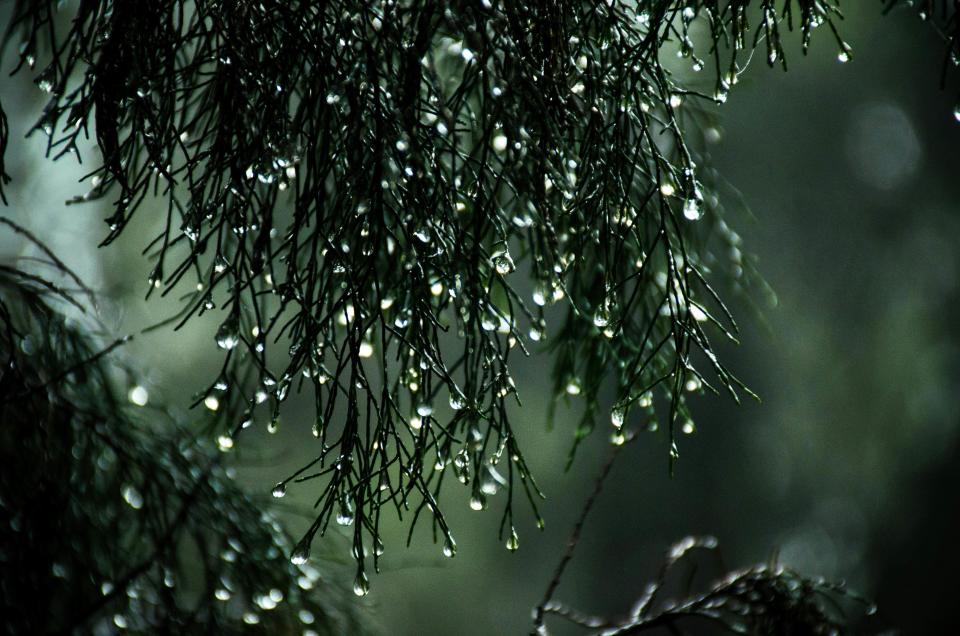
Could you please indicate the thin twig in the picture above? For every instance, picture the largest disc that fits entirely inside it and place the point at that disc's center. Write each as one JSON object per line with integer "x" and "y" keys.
{"x": 574, "y": 540}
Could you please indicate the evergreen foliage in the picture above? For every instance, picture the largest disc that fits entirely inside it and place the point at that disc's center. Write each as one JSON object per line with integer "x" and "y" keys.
{"x": 763, "y": 599}
{"x": 115, "y": 517}
{"x": 354, "y": 186}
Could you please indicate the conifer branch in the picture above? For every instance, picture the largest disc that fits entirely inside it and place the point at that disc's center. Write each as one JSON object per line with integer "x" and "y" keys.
{"x": 100, "y": 507}
{"x": 356, "y": 185}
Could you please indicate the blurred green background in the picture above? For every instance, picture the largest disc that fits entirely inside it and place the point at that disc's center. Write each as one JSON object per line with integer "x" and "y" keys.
{"x": 849, "y": 466}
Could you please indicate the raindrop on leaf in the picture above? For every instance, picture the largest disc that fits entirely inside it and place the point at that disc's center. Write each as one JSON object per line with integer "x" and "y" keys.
{"x": 345, "y": 515}
{"x": 228, "y": 335}
{"x": 691, "y": 210}
{"x": 449, "y": 547}
{"x": 513, "y": 541}
{"x": 133, "y": 497}
{"x": 361, "y": 585}
{"x": 138, "y": 395}
{"x": 617, "y": 415}
{"x": 478, "y": 502}
{"x": 503, "y": 263}
{"x": 300, "y": 555}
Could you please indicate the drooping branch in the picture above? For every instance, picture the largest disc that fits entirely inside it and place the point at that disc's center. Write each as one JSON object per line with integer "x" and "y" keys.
{"x": 110, "y": 521}
{"x": 764, "y": 599}
{"x": 358, "y": 185}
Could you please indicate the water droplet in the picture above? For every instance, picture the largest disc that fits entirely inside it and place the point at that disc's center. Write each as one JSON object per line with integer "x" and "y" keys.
{"x": 425, "y": 410}
{"x": 250, "y": 618}
{"x": 279, "y": 490}
{"x": 120, "y": 621}
{"x": 513, "y": 541}
{"x": 602, "y": 317}
{"x": 688, "y": 427}
{"x": 300, "y": 554}
{"x": 264, "y": 602}
{"x": 306, "y": 617}
{"x": 461, "y": 466}
{"x": 691, "y": 210}
{"x": 345, "y": 514}
{"x": 361, "y": 585}
{"x": 221, "y": 594}
{"x": 573, "y": 387}
{"x": 346, "y": 316}
{"x": 478, "y": 502}
{"x": 956, "y": 113}
{"x": 138, "y": 395}
{"x": 490, "y": 481}
{"x": 617, "y": 415}
{"x": 366, "y": 350}
{"x": 541, "y": 293}
{"x": 618, "y": 438}
{"x": 667, "y": 189}
{"x": 503, "y": 263}
{"x": 500, "y": 143}
{"x": 843, "y": 56}
{"x": 456, "y": 401}
{"x": 225, "y": 443}
{"x": 133, "y": 497}
{"x": 449, "y": 547}
{"x": 211, "y": 402}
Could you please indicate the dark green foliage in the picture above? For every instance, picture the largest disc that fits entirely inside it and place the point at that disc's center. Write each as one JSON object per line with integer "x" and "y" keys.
{"x": 764, "y": 599}
{"x": 113, "y": 516}
{"x": 354, "y": 185}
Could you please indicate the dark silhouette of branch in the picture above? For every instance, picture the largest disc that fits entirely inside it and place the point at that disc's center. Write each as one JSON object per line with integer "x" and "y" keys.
{"x": 573, "y": 541}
